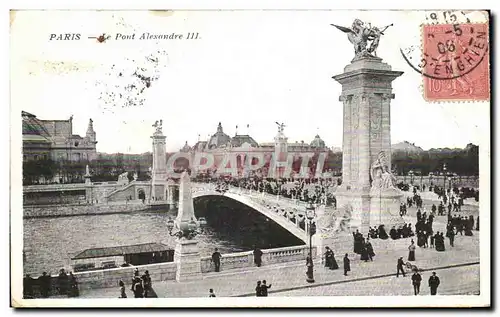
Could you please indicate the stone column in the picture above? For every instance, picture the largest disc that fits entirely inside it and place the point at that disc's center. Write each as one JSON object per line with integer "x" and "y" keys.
{"x": 386, "y": 126}
{"x": 369, "y": 81}
{"x": 346, "y": 141}
{"x": 187, "y": 254}
{"x": 364, "y": 142}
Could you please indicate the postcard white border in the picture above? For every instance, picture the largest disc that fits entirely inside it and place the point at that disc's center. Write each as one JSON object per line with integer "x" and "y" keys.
{"x": 404, "y": 301}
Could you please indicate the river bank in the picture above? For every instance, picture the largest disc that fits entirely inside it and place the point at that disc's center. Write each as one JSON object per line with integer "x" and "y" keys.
{"x": 85, "y": 210}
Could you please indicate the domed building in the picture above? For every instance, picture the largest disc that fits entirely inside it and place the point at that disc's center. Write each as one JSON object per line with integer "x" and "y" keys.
{"x": 186, "y": 148}
{"x": 318, "y": 142}
{"x": 54, "y": 139}
{"x": 219, "y": 139}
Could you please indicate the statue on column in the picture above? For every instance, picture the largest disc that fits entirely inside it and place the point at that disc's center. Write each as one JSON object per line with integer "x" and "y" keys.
{"x": 159, "y": 126}
{"x": 281, "y": 127}
{"x": 382, "y": 178}
{"x": 365, "y": 38}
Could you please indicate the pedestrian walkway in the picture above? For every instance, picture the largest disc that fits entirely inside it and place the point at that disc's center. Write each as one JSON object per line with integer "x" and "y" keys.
{"x": 292, "y": 275}
{"x": 462, "y": 280}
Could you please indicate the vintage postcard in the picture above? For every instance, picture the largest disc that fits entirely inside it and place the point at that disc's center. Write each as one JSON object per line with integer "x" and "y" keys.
{"x": 184, "y": 158}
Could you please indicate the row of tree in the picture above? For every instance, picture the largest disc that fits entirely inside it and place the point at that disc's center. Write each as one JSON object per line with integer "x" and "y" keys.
{"x": 107, "y": 167}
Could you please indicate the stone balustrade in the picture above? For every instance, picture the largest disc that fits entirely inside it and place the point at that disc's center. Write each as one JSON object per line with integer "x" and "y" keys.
{"x": 269, "y": 256}
{"x": 111, "y": 277}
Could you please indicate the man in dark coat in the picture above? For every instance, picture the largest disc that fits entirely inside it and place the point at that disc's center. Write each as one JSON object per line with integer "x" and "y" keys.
{"x": 382, "y": 234}
{"x": 434, "y": 283}
{"x": 451, "y": 236}
{"x": 45, "y": 282}
{"x": 257, "y": 257}
{"x": 146, "y": 282}
{"x": 263, "y": 288}
{"x": 347, "y": 264}
{"x": 258, "y": 289}
{"x": 393, "y": 233}
{"x": 63, "y": 282}
{"x": 416, "y": 279}
{"x": 216, "y": 256}
{"x": 401, "y": 264}
{"x": 137, "y": 288}
{"x": 28, "y": 286}
{"x": 73, "y": 286}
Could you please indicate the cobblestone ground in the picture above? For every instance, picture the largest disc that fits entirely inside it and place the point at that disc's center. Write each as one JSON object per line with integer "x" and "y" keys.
{"x": 457, "y": 267}
{"x": 454, "y": 281}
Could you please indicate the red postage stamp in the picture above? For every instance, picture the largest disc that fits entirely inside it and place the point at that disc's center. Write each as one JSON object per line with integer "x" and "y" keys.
{"x": 455, "y": 62}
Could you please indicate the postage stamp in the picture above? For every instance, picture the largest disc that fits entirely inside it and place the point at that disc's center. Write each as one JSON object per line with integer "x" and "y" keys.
{"x": 456, "y": 62}
{"x": 200, "y": 159}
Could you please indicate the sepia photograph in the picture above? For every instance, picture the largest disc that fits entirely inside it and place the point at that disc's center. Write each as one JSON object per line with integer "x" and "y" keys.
{"x": 203, "y": 158}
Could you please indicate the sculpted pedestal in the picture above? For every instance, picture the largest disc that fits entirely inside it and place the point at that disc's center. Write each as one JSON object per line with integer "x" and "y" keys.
{"x": 366, "y": 95}
{"x": 188, "y": 260}
{"x": 384, "y": 207}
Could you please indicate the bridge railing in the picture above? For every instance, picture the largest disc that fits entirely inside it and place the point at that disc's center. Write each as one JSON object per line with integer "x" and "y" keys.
{"x": 269, "y": 256}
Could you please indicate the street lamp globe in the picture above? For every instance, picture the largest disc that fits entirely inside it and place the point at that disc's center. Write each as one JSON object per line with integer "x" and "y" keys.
{"x": 192, "y": 225}
{"x": 170, "y": 224}
{"x": 310, "y": 212}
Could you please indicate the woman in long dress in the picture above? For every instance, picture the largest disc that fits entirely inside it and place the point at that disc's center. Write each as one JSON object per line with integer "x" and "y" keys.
{"x": 328, "y": 257}
{"x": 411, "y": 254}
{"x": 369, "y": 248}
{"x": 364, "y": 252}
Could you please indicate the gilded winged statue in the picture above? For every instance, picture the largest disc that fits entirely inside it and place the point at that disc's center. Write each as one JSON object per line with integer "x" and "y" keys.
{"x": 365, "y": 38}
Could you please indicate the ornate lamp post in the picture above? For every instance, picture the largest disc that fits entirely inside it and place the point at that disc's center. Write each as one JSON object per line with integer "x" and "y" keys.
{"x": 430, "y": 178}
{"x": 310, "y": 215}
{"x": 187, "y": 230}
{"x": 444, "y": 178}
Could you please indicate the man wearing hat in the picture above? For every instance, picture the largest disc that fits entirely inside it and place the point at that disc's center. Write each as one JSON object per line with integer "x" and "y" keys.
{"x": 400, "y": 266}
{"x": 434, "y": 283}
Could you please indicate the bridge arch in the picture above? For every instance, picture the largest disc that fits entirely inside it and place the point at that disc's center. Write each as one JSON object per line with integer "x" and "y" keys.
{"x": 258, "y": 207}
{"x": 141, "y": 194}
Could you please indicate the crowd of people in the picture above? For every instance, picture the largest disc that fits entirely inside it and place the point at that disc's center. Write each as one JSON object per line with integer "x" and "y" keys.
{"x": 46, "y": 285}
{"x": 319, "y": 191}
{"x": 142, "y": 285}
{"x": 401, "y": 232}
{"x": 363, "y": 246}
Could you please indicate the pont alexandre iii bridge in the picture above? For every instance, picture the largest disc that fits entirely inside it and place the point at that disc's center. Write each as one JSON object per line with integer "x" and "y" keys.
{"x": 136, "y": 196}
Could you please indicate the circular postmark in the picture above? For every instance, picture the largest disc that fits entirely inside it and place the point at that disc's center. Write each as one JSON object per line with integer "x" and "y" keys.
{"x": 448, "y": 50}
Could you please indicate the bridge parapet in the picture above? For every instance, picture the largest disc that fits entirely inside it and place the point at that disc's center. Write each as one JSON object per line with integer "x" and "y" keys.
{"x": 269, "y": 256}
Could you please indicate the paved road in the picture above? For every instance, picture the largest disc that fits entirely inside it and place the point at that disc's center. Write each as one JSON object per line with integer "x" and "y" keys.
{"x": 454, "y": 281}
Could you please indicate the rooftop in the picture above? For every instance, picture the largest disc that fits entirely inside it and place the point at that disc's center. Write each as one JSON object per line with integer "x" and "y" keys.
{"x": 121, "y": 250}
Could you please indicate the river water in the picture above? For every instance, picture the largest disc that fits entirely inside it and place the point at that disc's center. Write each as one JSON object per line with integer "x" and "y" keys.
{"x": 49, "y": 243}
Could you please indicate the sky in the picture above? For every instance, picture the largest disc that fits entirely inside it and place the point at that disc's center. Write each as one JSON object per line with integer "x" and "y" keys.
{"x": 246, "y": 68}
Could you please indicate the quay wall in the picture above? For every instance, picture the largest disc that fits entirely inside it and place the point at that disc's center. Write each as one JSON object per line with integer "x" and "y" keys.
{"x": 82, "y": 210}
{"x": 167, "y": 271}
